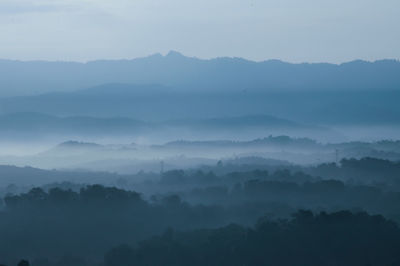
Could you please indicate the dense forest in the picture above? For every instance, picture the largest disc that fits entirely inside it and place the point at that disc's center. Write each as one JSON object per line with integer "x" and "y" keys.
{"x": 253, "y": 215}
{"x": 340, "y": 238}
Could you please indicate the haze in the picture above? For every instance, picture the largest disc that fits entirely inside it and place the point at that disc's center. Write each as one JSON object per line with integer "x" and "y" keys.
{"x": 290, "y": 30}
{"x": 193, "y": 133}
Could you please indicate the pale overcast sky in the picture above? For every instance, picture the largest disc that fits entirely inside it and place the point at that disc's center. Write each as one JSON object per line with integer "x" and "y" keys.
{"x": 290, "y": 30}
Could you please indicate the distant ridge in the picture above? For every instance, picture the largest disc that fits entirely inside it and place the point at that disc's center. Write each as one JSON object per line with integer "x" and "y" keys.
{"x": 237, "y": 121}
{"x": 189, "y": 73}
{"x": 78, "y": 144}
{"x": 152, "y": 102}
{"x": 267, "y": 141}
{"x": 38, "y": 121}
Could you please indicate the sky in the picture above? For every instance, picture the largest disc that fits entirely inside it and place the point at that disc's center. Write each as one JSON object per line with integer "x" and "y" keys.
{"x": 332, "y": 31}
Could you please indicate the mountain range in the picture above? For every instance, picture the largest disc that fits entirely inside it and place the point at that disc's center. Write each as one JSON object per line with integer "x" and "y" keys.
{"x": 187, "y": 73}
{"x": 161, "y": 103}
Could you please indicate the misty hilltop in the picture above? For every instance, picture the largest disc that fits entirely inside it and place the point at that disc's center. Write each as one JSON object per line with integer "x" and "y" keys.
{"x": 161, "y": 103}
{"x": 39, "y": 126}
{"x": 188, "y": 73}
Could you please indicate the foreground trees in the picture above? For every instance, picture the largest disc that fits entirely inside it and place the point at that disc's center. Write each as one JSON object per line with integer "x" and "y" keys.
{"x": 64, "y": 227}
{"x": 340, "y": 238}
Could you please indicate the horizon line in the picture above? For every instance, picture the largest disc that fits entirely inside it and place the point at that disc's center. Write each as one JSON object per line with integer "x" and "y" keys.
{"x": 176, "y": 53}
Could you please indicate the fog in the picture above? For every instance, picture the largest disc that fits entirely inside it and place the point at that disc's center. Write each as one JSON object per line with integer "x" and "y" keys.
{"x": 224, "y": 162}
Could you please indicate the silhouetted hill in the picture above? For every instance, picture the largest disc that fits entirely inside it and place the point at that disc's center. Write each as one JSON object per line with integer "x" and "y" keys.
{"x": 77, "y": 144}
{"x": 178, "y": 71}
{"x": 37, "y": 125}
{"x": 29, "y": 176}
{"x": 271, "y": 141}
{"x": 242, "y": 121}
{"x": 157, "y": 103}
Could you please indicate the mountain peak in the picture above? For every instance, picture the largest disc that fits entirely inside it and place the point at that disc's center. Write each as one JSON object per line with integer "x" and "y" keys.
{"x": 174, "y": 54}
